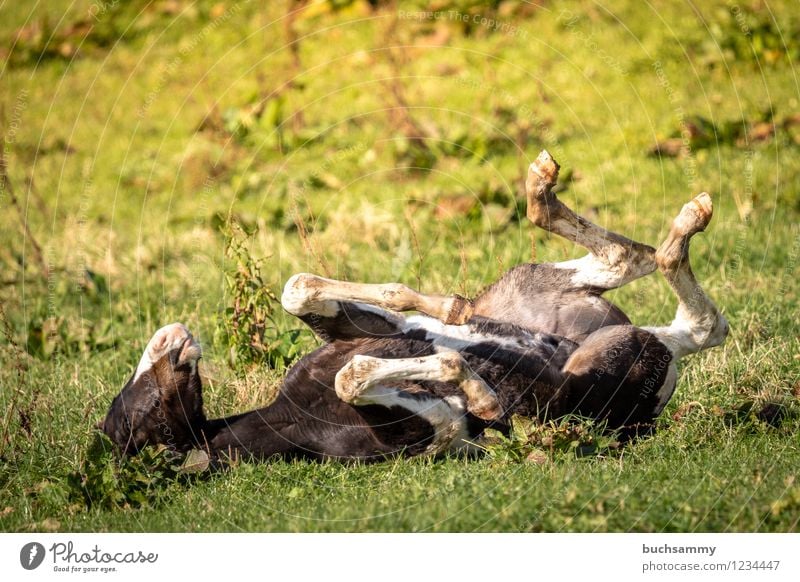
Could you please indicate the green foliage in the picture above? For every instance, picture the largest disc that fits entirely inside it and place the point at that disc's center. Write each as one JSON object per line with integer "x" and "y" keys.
{"x": 125, "y": 185}
{"x": 475, "y": 145}
{"x": 62, "y": 335}
{"x": 762, "y": 415}
{"x": 247, "y": 327}
{"x": 92, "y": 32}
{"x": 535, "y": 441}
{"x": 754, "y": 35}
{"x": 415, "y": 154}
{"x": 261, "y": 114}
{"x": 787, "y": 506}
{"x": 109, "y": 481}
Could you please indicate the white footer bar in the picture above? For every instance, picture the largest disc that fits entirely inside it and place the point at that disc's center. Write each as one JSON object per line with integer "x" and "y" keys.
{"x": 395, "y": 557}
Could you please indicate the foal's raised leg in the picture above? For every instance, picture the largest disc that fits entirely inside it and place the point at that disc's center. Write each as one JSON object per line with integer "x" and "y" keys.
{"x": 357, "y": 381}
{"x": 306, "y": 294}
{"x": 613, "y": 259}
{"x": 698, "y": 323}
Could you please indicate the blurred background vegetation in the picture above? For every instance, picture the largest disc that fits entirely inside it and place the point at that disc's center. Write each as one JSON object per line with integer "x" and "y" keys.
{"x": 173, "y": 160}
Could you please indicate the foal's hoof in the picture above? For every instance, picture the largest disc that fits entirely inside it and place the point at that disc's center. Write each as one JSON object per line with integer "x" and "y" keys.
{"x": 486, "y": 409}
{"x": 694, "y": 216}
{"x": 545, "y": 167}
{"x": 543, "y": 206}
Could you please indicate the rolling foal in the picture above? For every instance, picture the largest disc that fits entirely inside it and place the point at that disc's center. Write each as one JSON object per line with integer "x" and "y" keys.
{"x": 541, "y": 342}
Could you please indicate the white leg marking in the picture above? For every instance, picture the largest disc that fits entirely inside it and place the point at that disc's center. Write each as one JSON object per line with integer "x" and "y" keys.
{"x": 591, "y": 271}
{"x": 363, "y": 373}
{"x": 305, "y": 293}
{"x": 698, "y": 324}
{"x": 614, "y": 259}
{"x": 689, "y": 335}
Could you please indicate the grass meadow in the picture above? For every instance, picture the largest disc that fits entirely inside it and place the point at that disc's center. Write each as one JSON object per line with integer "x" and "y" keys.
{"x": 374, "y": 144}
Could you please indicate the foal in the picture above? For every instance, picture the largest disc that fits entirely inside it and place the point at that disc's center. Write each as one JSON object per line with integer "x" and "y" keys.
{"x": 541, "y": 342}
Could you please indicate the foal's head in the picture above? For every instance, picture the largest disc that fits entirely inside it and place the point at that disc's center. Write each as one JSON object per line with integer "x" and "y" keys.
{"x": 162, "y": 403}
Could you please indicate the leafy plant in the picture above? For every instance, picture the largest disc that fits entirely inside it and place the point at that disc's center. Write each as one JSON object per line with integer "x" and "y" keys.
{"x": 247, "y": 326}
{"x": 532, "y": 440}
{"x": 267, "y": 114}
{"x": 759, "y": 414}
{"x": 750, "y": 35}
{"x": 760, "y": 38}
{"x": 107, "y": 480}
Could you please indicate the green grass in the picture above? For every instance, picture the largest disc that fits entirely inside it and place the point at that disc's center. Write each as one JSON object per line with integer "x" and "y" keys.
{"x": 128, "y": 221}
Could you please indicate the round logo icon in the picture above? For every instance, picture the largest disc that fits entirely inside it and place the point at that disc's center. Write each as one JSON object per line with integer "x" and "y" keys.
{"x": 31, "y": 555}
